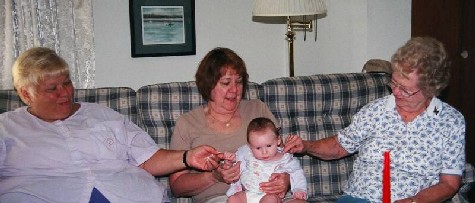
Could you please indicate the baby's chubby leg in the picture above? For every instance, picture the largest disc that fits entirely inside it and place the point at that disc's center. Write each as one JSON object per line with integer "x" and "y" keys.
{"x": 238, "y": 197}
{"x": 269, "y": 198}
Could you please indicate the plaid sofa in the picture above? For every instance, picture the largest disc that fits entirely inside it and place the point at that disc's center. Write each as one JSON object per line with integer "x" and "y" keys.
{"x": 313, "y": 107}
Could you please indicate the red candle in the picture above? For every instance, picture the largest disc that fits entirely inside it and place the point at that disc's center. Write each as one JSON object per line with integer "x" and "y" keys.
{"x": 387, "y": 178}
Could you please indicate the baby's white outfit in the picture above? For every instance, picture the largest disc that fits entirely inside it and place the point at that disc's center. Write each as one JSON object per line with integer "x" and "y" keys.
{"x": 254, "y": 171}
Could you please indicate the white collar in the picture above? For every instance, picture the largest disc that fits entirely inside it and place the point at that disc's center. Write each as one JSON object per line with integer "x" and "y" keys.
{"x": 434, "y": 108}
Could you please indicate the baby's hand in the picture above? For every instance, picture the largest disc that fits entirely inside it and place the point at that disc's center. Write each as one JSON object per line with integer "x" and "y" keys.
{"x": 229, "y": 158}
{"x": 300, "y": 195}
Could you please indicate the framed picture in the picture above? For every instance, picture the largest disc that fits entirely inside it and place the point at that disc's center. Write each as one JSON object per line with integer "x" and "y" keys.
{"x": 162, "y": 27}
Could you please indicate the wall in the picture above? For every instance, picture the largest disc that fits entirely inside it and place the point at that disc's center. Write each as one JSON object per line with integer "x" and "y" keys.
{"x": 351, "y": 33}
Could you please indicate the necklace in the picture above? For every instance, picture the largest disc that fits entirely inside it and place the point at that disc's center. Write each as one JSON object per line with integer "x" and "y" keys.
{"x": 226, "y": 123}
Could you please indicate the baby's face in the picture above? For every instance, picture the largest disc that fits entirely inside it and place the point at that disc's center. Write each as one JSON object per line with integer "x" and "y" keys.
{"x": 264, "y": 144}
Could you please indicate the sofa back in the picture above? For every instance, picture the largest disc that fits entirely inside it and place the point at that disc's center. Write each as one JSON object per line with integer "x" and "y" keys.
{"x": 121, "y": 99}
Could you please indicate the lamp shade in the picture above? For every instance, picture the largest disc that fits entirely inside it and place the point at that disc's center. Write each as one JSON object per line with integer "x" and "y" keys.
{"x": 288, "y": 7}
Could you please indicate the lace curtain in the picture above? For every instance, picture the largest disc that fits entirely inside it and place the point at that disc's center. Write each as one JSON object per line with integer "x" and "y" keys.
{"x": 65, "y": 26}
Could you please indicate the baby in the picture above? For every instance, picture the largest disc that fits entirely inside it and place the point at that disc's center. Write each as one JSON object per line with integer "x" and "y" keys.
{"x": 261, "y": 157}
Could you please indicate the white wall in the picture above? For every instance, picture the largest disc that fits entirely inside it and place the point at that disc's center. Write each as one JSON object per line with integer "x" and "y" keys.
{"x": 351, "y": 33}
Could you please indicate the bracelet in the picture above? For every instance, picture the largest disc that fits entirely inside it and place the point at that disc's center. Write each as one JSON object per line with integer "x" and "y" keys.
{"x": 184, "y": 159}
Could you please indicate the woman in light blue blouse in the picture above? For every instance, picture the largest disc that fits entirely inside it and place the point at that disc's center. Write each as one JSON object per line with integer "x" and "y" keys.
{"x": 57, "y": 150}
{"x": 425, "y": 136}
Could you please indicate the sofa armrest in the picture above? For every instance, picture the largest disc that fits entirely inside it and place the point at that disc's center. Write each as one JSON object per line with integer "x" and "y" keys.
{"x": 468, "y": 184}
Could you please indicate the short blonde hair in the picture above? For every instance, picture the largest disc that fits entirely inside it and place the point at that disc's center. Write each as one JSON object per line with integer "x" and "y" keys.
{"x": 34, "y": 65}
{"x": 428, "y": 57}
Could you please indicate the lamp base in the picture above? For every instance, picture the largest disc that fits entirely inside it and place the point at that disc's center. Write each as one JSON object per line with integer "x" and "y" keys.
{"x": 290, "y": 39}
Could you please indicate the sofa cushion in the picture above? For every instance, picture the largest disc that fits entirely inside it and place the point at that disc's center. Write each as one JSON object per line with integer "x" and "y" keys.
{"x": 121, "y": 99}
{"x": 318, "y": 106}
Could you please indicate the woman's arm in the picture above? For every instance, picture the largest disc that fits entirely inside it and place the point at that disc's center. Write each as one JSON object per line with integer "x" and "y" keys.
{"x": 448, "y": 185}
{"x": 185, "y": 183}
{"x": 327, "y": 148}
{"x": 164, "y": 162}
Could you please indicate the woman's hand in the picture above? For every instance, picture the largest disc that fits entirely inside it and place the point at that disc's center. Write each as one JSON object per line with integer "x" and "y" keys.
{"x": 227, "y": 172}
{"x": 278, "y": 184}
{"x": 204, "y": 158}
{"x": 294, "y": 144}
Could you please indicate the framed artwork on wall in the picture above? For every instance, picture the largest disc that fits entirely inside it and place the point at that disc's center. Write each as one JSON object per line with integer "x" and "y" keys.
{"x": 162, "y": 27}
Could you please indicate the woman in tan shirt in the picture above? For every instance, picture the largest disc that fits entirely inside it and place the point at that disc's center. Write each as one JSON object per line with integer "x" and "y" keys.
{"x": 222, "y": 80}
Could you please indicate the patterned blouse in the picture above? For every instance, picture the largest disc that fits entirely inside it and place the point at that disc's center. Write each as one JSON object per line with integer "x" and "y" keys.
{"x": 421, "y": 150}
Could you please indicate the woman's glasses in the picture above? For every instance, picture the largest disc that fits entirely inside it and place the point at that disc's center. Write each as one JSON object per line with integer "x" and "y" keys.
{"x": 393, "y": 84}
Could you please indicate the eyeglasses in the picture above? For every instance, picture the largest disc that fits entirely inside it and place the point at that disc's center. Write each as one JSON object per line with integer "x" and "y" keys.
{"x": 393, "y": 84}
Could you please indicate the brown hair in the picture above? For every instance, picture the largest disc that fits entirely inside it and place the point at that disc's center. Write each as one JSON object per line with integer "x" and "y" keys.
{"x": 428, "y": 57}
{"x": 213, "y": 66}
{"x": 262, "y": 123}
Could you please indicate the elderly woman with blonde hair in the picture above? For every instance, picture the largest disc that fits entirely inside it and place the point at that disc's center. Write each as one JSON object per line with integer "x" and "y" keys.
{"x": 58, "y": 150}
{"x": 424, "y": 135}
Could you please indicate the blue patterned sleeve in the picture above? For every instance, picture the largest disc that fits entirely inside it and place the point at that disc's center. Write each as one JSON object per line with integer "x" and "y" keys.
{"x": 454, "y": 147}
{"x": 351, "y": 136}
{"x": 364, "y": 123}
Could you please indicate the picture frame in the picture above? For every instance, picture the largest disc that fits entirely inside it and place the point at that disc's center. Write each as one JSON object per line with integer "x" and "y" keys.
{"x": 162, "y": 28}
